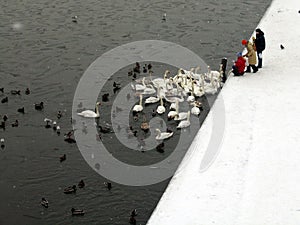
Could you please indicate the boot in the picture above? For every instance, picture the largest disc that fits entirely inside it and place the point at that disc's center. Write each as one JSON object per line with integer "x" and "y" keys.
{"x": 255, "y": 68}
{"x": 248, "y": 70}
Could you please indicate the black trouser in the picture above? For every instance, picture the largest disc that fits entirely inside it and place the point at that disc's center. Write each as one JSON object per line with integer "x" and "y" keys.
{"x": 259, "y": 57}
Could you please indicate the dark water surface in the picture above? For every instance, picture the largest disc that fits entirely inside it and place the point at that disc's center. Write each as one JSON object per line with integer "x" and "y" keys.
{"x": 48, "y": 53}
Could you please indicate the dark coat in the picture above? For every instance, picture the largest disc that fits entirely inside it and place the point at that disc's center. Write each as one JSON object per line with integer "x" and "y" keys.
{"x": 260, "y": 42}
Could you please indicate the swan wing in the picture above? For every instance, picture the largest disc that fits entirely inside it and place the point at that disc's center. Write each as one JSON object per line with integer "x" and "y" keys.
{"x": 195, "y": 110}
{"x": 172, "y": 114}
{"x": 137, "y": 108}
{"x": 160, "y": 109}
{"x": 181, "y": 116}
{"x": 151, "y": 100}
{"x": 164, "y": 135}
{"x": 87, "y": 113}
{"x": 184, "y": 124}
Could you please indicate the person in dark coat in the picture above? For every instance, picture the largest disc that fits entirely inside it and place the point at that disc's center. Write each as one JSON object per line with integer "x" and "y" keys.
{"x": 260, "y": 44}
{"x": 239, "y": 65}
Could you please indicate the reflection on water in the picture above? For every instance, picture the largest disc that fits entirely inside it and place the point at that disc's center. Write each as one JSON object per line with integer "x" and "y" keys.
{"x": 44, "y": 50}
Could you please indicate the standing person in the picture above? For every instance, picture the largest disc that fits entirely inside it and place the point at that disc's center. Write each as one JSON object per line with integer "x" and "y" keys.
{"x": 239, "y": 65}
{"x": 260, "y": 44}
{"x": 251, "y": 56}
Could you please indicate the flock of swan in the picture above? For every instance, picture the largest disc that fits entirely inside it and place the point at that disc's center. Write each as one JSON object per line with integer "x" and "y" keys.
{"x": 185, "y": 86}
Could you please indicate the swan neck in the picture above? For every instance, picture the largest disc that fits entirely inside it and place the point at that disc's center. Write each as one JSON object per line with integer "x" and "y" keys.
{"x": 97, "y": 110}
{"x": 143, "y": 81}
{"x": 158, "y": 132}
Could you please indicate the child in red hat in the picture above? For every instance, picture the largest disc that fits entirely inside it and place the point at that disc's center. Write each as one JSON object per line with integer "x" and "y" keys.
{"x": 251, "y": 55}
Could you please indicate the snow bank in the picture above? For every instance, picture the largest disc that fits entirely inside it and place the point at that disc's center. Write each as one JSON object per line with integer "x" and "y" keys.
{"x": 255, "y": 177}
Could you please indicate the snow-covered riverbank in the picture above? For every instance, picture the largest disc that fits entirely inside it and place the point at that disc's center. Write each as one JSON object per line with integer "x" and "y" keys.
{"x": 255, "y": 176}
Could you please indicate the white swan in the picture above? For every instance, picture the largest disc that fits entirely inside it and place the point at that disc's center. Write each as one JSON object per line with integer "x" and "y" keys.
{"x": 139, "y": 107}
{"x": 191, "y": 98}
{"x": 161, "y": 109}
{"x": 163, "y": 135}
{"x": 149, "y": 90}
{"x": 185, "y": 123}
{"x": 212, "y": 88}
{"x": 139, "y": 87}
{"x": 90, "y": 113}
{"x": 173, "y": 99}
{"x": 195, "y": 110}
{"x": 173, "y": 106}
{"x": 180, "y": 115}
{"x": 213, "y": 74}
{"x": 197, "y": 89}
{"x": 161, "y": 82}
{"x": 178, "y": 77}
{"x": 172, "y": 114}
{"x": 196, "y": 75}
{"x": 189, "y": 72}
{"x": 152, "y": 99}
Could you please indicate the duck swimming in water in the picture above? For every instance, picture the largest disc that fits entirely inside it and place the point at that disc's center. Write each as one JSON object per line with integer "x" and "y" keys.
{"x": 2, "y": 125}
{"x": 104, "y": 129}
{"x": 21, "y": 110}
{"x": 62, "y": 158}
{"x": 69, "y": 190}
{"x": 44, "y": 203}
{"x": 5, "y": 117}
{"x": 74, "y": 19}
{"x": 108, "y": 185}
{"x": 39, "y": 106}
{"x": 58, "y": 130}
{"x": 15, "y": 92}
{"x": 68, "y": 137}
{"x": 105, "y": 97}
{"x": 27, "y": 91}
{"x": 15, "y": 124}
{"x": 4, "y": 100}
{"x": 47, "y": 122}
{"x": 2, "y": 145}
{"x": 54, "y": 125}
{"x": 81, "y": 184}
{"x": 77, "y": 212}
{"x": 133, "y": 213}
{"x": 59, "y": 114}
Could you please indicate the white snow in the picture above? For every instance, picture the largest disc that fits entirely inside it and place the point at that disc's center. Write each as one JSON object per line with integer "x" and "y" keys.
{"x": 255, "y": 178}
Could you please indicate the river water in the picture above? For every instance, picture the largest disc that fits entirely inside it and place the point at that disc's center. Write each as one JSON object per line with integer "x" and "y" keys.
{"x": 43, "y": 50}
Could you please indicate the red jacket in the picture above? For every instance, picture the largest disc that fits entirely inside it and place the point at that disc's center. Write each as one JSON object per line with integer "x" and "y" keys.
{"x": 240, "y": 63}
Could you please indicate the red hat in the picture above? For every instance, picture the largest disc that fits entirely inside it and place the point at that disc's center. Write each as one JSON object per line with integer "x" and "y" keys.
{"x": 244, "y": 42}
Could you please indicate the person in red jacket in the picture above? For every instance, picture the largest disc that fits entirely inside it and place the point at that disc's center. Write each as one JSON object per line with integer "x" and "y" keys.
{"x": 239, "y": 65}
